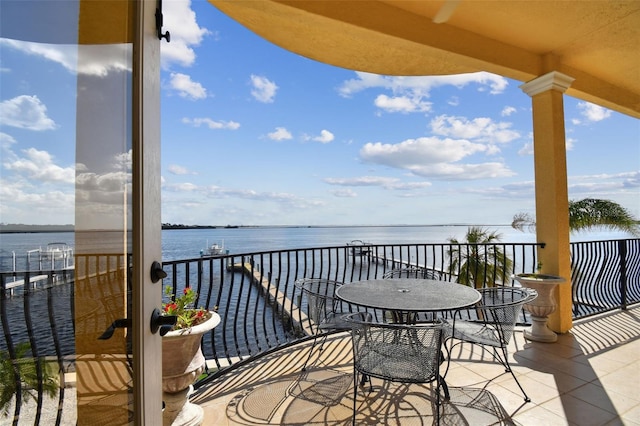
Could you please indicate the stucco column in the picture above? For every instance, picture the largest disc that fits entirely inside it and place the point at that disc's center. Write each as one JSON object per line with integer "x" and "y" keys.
{"x": 552, "y": 199}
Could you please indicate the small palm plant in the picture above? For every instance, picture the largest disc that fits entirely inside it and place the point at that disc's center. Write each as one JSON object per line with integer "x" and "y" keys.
{"x": 479, "y": 262}
{"x": 27, "y": 370}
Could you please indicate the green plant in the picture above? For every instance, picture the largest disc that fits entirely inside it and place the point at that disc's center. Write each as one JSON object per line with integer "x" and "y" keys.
{"x": 587, "y": 214}
{"x": 183, "y": 307}
{"x": 478, "y": 262}
{"x": 22, "y": 372}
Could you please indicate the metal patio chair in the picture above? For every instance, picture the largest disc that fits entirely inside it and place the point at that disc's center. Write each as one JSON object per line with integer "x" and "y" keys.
{"x": 412, "y": 272}
{"x": 402, "y": 353}
{"x": 491, "y": 323}
{"x": 324, "y": 309}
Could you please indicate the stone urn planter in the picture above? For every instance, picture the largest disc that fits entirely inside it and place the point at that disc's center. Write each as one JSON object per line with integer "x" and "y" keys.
{"x": 182, "y": 363}
{"x": 541, "y": 307}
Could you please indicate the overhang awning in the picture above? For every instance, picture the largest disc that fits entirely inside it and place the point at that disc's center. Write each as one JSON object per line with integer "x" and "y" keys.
{"x": 596, "y": 42}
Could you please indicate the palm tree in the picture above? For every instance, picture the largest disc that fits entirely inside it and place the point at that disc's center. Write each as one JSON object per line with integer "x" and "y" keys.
{"x": 478, "y": 261}
{"x": 588, "y": 214}
{"x": 28, "y": 370}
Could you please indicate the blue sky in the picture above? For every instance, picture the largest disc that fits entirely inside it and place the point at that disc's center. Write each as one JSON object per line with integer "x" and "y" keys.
{"x": 255, "y": 135}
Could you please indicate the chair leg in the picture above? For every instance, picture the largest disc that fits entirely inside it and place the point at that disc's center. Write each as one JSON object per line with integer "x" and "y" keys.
{"x": 313, "y": 345}
{"x": 355, "y": 394}
{"x": 510, "y": 370}
{"x": 445, "y": 388}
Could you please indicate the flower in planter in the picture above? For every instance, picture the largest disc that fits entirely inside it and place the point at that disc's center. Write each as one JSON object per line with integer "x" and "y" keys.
{"x": 183, "y": 307}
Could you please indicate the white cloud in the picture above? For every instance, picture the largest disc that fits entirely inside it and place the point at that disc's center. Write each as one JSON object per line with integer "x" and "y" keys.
{"x": 480, "y": 129}
{"x": 421, "y": 86}
{"x": 26, "y": 112}
{"x": 185, "y": 32}
{"x": 324, "y": 137}
{"x": 6, "y": 140}
{"x": 402, "y": 104}
{"x": 263, "y": 90}
{"x": 179, "y": 170}
{"x": 282, "y": 199}
{"x": 408, "y": 93}
{"x": 35, "y": 205}
{"x": 593, "y": 112}
{"x": 95, "y": 60}
{"x": 212, "y": 124}
{"x": 344, "y": 193}
{"x": 433, "y": 157}
{"x": 384, "y": 182}
{"x": 186, "y": 87}
{"x": 39, "y": 165}
{"x": 507, "y": 111}
{"x": 280, "y": 134}
{"x": 606, "y": 184}
{"x": 527, "y": 149}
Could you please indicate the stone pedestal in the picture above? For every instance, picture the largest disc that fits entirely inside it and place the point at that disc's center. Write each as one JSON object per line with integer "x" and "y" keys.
{"x": 541, "y": 307}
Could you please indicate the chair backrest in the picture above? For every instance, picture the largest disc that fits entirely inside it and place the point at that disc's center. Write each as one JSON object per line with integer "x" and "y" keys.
{"x": 501, "y": 306}
{"x": 321, "y": 296}
{"x": 412, "y": 272}
{"x": 397, "y": 352}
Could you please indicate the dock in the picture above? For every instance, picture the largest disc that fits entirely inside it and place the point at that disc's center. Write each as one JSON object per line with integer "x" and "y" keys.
{"x": 284, "y": 304}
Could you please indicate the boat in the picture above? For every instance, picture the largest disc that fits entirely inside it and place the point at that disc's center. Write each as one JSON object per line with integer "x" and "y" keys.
{"x": 213, "y": 250}
{"x": 58, "y": 251}
{"x": 359, "y": 248}
{"x": 56, "y": 255}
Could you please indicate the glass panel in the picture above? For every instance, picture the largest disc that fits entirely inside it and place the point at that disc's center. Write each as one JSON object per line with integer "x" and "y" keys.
{"x": 66, "y": 159}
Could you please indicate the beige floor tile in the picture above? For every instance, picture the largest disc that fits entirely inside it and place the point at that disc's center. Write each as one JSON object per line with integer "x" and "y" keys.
{"x": 624, "y": 380}
{"x": 578, "y": 412}
{"x": 539, "y": 416}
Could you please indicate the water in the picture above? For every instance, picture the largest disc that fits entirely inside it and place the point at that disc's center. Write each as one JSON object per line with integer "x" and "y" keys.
{"x": 187, "y": 243}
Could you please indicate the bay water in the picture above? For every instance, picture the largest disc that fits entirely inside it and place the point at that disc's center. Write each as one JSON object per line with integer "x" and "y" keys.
{"x": 187, "y": 243}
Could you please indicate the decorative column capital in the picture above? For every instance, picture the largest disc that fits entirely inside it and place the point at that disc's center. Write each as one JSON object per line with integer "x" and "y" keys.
{"x": 552, "y": 81}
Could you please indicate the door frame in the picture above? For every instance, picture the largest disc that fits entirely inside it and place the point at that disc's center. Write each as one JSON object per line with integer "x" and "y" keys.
{"x": 147, "y": 224}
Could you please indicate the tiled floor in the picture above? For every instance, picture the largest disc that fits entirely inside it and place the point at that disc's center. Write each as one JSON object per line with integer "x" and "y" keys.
{"x": 591, "y": 376}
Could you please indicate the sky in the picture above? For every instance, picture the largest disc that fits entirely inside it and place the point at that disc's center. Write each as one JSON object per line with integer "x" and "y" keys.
{"x": 255, "y": 135}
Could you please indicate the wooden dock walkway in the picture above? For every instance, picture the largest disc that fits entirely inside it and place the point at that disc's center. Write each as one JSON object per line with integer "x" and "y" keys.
{"x": 284, "y": 304}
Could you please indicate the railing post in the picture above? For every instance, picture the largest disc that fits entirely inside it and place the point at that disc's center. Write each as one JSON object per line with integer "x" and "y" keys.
{"x": 622, "y": 253}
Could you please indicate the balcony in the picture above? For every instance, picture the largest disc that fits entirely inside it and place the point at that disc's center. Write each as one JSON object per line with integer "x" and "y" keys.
{"x": 255, "y": 356}
{"x": 589, "y": 377}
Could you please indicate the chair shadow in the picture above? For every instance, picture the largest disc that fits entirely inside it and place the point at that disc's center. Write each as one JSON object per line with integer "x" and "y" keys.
{"x": 324, "y": 397}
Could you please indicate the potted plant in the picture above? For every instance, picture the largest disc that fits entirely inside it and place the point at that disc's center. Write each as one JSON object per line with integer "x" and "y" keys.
{"x": 182, "y": 358}
{"x": 542, "y": 306}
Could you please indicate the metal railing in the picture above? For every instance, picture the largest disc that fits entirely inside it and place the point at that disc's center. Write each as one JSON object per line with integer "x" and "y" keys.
{"x": 605, "y": 275}
{"x": 260, "y": 308}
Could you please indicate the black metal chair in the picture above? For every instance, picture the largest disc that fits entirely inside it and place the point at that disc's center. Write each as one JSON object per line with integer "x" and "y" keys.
{"x": 412, "y": 272}
{"x": 399, "y": 353}
{"x": 491, "y": 323}
{"x": 324, "y": 309}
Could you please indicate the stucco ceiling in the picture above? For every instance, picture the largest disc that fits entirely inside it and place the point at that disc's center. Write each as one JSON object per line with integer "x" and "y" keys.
{"x": 595, "y": 42}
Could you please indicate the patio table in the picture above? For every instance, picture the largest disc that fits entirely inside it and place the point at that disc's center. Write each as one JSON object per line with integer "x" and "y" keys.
{"x": 408, "y": 295}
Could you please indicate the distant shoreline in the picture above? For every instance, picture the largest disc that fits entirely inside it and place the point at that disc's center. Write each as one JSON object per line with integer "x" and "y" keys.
{"x": 26, "y": 229}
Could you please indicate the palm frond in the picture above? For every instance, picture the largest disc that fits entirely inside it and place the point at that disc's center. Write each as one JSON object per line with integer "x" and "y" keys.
{"x": 594, "y": 213}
